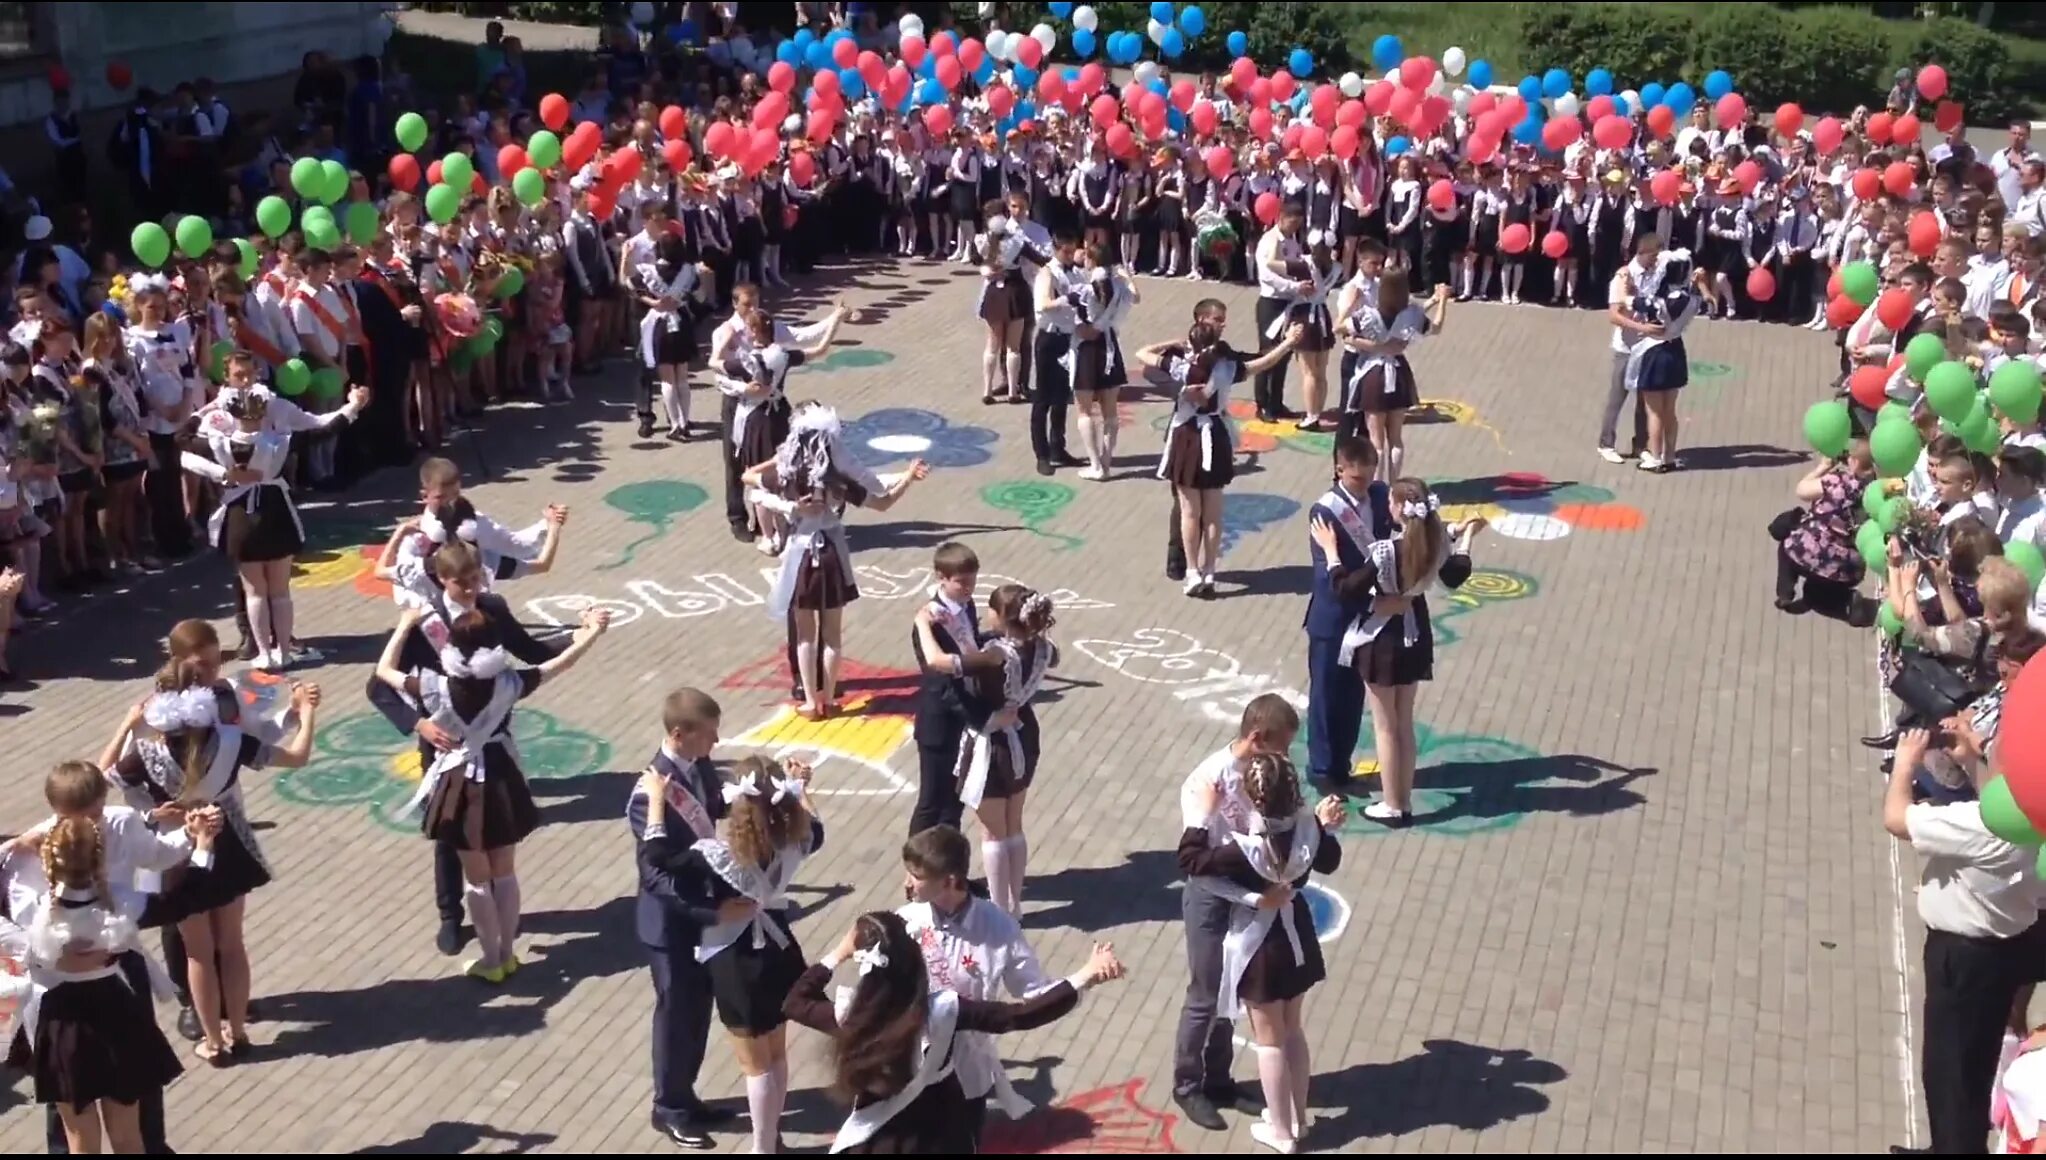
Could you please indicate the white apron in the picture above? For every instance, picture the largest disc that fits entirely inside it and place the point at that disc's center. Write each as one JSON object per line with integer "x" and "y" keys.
{"x": 490, "y": 727}
{"x": 1184, "y": 410}
{"x": 217, "y": 786}
{"x": 271, "y": 448}
{"x": 766, "y": 889}
{"x": 1018, "y": 688}
{"x": 939, "y": 1026}
{"x": 1366, "y": 627}
{"x": 1248, "y": 925}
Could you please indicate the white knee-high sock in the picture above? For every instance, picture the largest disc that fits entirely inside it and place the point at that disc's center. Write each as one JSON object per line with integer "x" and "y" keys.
{"x": 482, "y": 904}
{"x": 827, "y": 669}
{"x": 1278, "y": 1088}
{"x": 1090, "y": 437}
{"x": 1299, "y": 1070}
{"x": 1110, "y": 424}
{"x": 259, "y": 620}
{"x": 989, "y": 362}
{"x": 1019, "y": 869}
{"x": 1395, "y": 461}
{"x": 283, "y": 618}
{"x": 1012, "y": 362}
{"x": 506, "y": 891}
{"x": 763, "y": 1107}
{"x": 806, "y": 667}
{"x": 994, "y": 857}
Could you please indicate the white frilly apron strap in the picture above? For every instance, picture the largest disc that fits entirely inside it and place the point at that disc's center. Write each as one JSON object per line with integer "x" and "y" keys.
{"x": 476, "y": 736}
{"x": 1365, "y": 628}
{"x": 1248, "y": 927}
{"x": 939, "y": 1029}
{"x": 766, "y": 889}
{"x": 800, "y": 544}
{"x": 972, "y": 767}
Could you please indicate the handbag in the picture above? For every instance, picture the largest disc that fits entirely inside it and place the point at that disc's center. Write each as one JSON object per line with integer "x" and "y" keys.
{"x": 1785, "y": 523}
{"x": 1934, "y": 689}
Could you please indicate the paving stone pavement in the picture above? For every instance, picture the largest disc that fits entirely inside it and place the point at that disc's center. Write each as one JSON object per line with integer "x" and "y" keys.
{"x": 1649, "y": 907}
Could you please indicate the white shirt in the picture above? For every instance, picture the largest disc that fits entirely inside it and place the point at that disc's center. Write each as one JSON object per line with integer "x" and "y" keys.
{"x": 2010, "y": 172}
{"x": 307, "y": 321}
{"x": 2018, "y": 520}
{"x": 1617, "y": 295}
{"x": 1972, "y": 883}
{"x": 1275, "y": 247}
{"x": 977, "y": 953}
{"x": 135, "y": 855}
{"x": 1233, "y": 811}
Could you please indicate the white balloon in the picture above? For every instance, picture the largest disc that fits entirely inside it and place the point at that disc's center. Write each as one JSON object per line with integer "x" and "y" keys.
{"x": 1045, "y": 37}
{"x": 793, "y": 123}
{"x": 1146, "y": 71}
{"x": 642, "y": 14}
{"x": 911, "y": 24}
{"x": 1156, "y": 32}
{"x": 1351, "y": 84}
{"x": 1567, "y": 105}
{"x": 1438, "y": 84}
{"x": 1461, "y": 99}
{"x": 1084, "y": 18}
{"x": 997, "y": 44}
{"x": 1453, "y": 62}
{"x": 1393, "y": 75}
{"x": 1633, "y": 99}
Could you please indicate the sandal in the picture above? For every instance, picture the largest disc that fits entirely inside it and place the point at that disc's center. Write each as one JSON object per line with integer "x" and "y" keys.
{"x": 214, "y": 1056}
{"x": 808, "y": 713}
{"x": 239, "y": 1047}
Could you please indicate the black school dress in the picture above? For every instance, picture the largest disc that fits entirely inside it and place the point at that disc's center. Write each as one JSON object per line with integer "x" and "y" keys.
{"x": 1388, "y": 658}
{"x": 1198, "y": 452}
{"x": 987, "y": 687}
{"x": 940, "y": 1121}
{"x": 95, "y": 1039}
{"x": 237, "y": 867}
{"x": 1374, "y": 394}
{"x": 495, "y": 810}
{"x": 1274, "y": 973}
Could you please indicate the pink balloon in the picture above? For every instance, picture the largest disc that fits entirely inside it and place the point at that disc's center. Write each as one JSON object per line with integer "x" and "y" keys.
{"x": 1051, "y": 86}
{"x": 1150, "y": 106}
{"x": 1378, "y": 98}
{"x": 1092, "y": 78}
{"x": 938, "y": 119}
{"x": 1732, "y": 111}
{"x": 1183, "y": 95}
{"x": 947, "y": 70}
{"x": 1221, "y": 162}
{"x": 781, "y": 76}
{"x": 1261, "y": 123}
{"x": 1345, "y": 141}
{"x": 1353, "y": 114}
{"x": 1481, "y": 147}
{"x": 1267, "y": 207}
{"x": 999, "y": 101}
{"x": 1203, "y": 117}
{"x": 1290, "y": 139}
{"x": 1932, "y": 82}
{"x": 1243, "y": 72}
{"x": 1314, "y": 141}
{"x": 1481, "y": 103}
{"x": 1596, "y": 109}
{"x": 1417, "y": 72}
{"x": 845, "y": 54}
{"x": 1284, "y": 86}
{"x": 1827, "y": 134}
{"x": 912, "y": 50}
{"x": 820, "y": 126}
{"x": 873, "y": 70}
{"x": 1029, "y": 52}
{"x": 825, "y": 83}
{"x": 971, "y": 53}
{"x": 802, "y": 169}
{"x": 1120, "y": 140}
{"x": 1105, "y": 110}
{"x": 945, "y": 44}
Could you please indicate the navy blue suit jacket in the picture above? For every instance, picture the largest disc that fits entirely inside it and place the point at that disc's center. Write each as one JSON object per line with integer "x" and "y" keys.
{"x": 664, "y": 919}
{"x": 1327, "y": 616}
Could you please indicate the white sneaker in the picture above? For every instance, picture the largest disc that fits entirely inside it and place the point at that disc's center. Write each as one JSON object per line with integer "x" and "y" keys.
{"x": 1648, "y": 462}
{"x": 1263, "y": 1132}
{"x": 268, "y": 661}
{"x": 1192, "y": 584}
{"x": 1379, "y": 811}
{"x": 1092, "y": 472}
{"x": 1611, "y": 455}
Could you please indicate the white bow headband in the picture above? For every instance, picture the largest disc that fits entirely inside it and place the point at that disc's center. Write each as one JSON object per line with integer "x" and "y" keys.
{"x": 870, "y": 959}
{"x": 749, "y": 786}
{"x": 193, "y": 708}
{"x": 1415, "y": 509}
{"x": 431, "y": 527}
{"x": 149, "y": 284}
{"x": 481, "y": 665}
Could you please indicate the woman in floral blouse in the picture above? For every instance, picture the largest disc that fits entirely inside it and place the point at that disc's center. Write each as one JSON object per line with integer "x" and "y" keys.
{"x": 1820, "y": 551}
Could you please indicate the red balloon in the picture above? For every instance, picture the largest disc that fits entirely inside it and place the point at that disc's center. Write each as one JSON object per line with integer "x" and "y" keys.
{"x": 1150, "y": 106}
{"x": 1761, "y": 284}
{"x": 404, "y": 171}
{"x": 2021, "y": 743}
{"x": 1612, "y": 132}
{"x": 1842, "y": 312}
{"x": 629, "y": 161}
{"x": 948, "y": 73}
{"x": 1904, "y": 132}
{"x": 1893, "y": 308}
{"x": 1051, "y": 86}
{"x": 582, "y": 145}
{"x": 554, "y": 111}
{"x": 1481, "y": 147}
{"x": 1749, "y": 174}
{"x": 1899, "y": 178}
{"x": 825, "y": 83}
{"x": 1732, "y": 111}
{"x": 1322, "y": 104}
{"x": 938, "y": 119}
{"x": 1314, "y": 141}
{"x": 1267, "y": 207}
{"x": 1405, "y": 103}
{"x": 1261, "y": 123}
{"x": 1834, "y": 286}
{"x": 675, "y": 150}
{"x": 1789, "y": 119}
{"x": 1120, "y": 140}
{"x": 477, "y": 185}
{"x": 846, "y": 53}
{"x": 603, "y": 203}
{"x": 1868, "y": 184}
{"x": 1514, "y": 107}
{"x": 60, "y": 79}
{"x": 119, "y": 76}
{"x": 820, "y": 126}
{"x": 1243, "y": 72}
{"x": 1434, "y": 113}
{"x": 1932, "y": 82}
{"x": 1183, "y": 95}
{"x": 1946, "y": 117}
{"x": 1417, "y": 71}
{"x": 1555, "y": 244}
{"x": 971, "y": 53}
{"x": 1868, "y": 386}
{"x": 873, "y": 69}
{"x": 433, "y": 173}
{"x": 1442, "y": 195}
{"x": 1559, "y": 132}
{"x": 802, "y": 168}
{"x": 1284, "y": 86}
{"x": 1221, "y": 162}
{"x": 1480, "y": 104}
{"x": 1923, "y": 234}
{"x": 912, "y": 50}
{"x": 674, "y": 122}
{"x": 1827, "y": 134}
{"x": 944, "y": 44}
{"x": 1029, "y": 52}
{"x": 1105, "y": 110}
{"x": 717, "y": 139}
{"x": 781, "y": 77}
{"x": 1662, "y": 120}
{"x": 511, "y": 159}
{"x": 1092, "y": 78}
{"x": 1879, "y": 127}
{"x": 1000, "y": 100}
{"x": 1378, "y": 98}
{"x": 1514, "y": 238}
{"x": 1345, "y": 141}
{"x": 1600, "y": 107}
{"x": 1203, "y": 117}
{"x": 1666, "y": 186}
{"x": 1353, "y": 114}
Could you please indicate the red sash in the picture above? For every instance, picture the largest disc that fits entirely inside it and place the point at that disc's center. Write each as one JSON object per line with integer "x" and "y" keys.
{"x": 248, "y": 338}
{"x": 682, "y": 802}
{"x": 333, "y": 325}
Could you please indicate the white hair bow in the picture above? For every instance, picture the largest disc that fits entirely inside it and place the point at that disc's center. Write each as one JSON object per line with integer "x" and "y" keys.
{"x": 431, "y": 527}
{"x": 786, "y": 788}
{"x": 482, "y": 665}
{"x": 748, "y": 786}
{"x": 870, "y": 959}
{"x": 1417, "y": 509}
{"x": 1316, "y": 238}
{"x": 193, "y": 708}
{"x": 1036, "y": 603}
{"x": 149, "y": 284}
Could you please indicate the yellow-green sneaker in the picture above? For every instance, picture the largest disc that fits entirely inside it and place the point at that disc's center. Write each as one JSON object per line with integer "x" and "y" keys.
{"x": 489, "y": 974}
{"x": 511, "y": 966}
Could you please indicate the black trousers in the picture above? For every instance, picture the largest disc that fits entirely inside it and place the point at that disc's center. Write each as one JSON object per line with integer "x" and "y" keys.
{"x": 1175, "y": 544}
{"x": 1270, "y": 387}
{"x": 1052, "y": 394}
{"x": 1969, "y": 986}
{"x": 241, "y": 611}
{"x": 1794, "y": 289}
{"x": 1203, "y": 1048}
{"x": 681, "y": 1033}
{"x": 163, "y": 491}
{"x": 937, "y": 787}
{"x": 447, "y": 864}
{"x": 154, "y": 1142}
{"x": 735, "y": 491}
{"x": 643, "y": 397}
{"x": 1831, "y": 595}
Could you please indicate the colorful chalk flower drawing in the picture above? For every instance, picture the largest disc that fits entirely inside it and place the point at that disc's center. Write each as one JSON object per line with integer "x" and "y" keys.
{"x": 1442, "y": 806}
{"x": 850, "y": 751}
{"x": 1246, "y": 512}
{"x": 847, "y": 358}
{"x": 1523, "y": 505}
{"x": 900, "y": 434}
{"x": 655, "y": 503}
{"x": 1485, "y": 586}
{"x": 1111, "y": 1120}
{"x": 1710, "y": 370}
{"x": 1036, "y": 503}
{"x": 1256, "y": 436}
{"x": 360, "y": 760}
{"x": 337, "y": 552}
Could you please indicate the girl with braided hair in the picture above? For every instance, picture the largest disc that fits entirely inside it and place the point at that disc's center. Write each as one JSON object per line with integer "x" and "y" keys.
{"x": 892, "y": 1038}
{"x": 1271, "y": 957}
{"x": 998, "y": 752}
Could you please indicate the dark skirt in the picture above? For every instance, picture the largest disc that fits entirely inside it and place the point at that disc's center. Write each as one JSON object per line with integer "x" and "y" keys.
{"x": 1387, "y": 659}
{"x": 1098, "y": 365}
{"x": 1006, "y": 301}
{"x": 1170, "y": 216}
{"x": 1273, "y": 975}
{"x": 676, "y": 347}
{"x": 821, "y": 581}
{"x": 1004, "y": 780}
{"x": 750, "y": 985}
{"x": 115, "y": 473}
{"x": 939, "y": 1122}
{"x": 1317, "y": 333}
{"x": 763, "y": 433}
{"x": 81, "y": 483}
{"x": 268, "y": 533}
{"x": 1183, "y": 456}
{"x": 1372, "y": 395}
{"x": 95, "y": 1040}
{"x": 189, "y": 890}
{"x": 1664, "y": 367}
{"x": 481, "y": 815}
{"x": 962, "y": 199}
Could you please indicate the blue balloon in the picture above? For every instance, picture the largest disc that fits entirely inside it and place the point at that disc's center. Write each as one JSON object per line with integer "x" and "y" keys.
{"x": 1175, "y": 120}
{"x": 1387, "y": 52}
{"x": 1652, "y": 94}
{"x": 1172, "y": 43}
{"x": 787, "y": 53}
{"x": 1158, "y": 85}
{"x": 1299, "y": 100}
{"x": 1528, "y": 132}
{"x": 1026, "y": 77}
{"x": 1161, "y": 12}
{"x": 1061, "y": 10}
{"x": 1238, "y": 44}
{"x": 984, "y": 71}
{"x": 1555, "y": 83}
{"x": 817, "y": 56}
{"x": 929, "y": 67}
{"x": 683, "y": 33}
{"x": 1598, "y": 83}
{"x": 1621, "y": 106}
{"x": 1300, "y": 61}
{"x": 1193, "y": 21}
{"x": 1397, "y": 146}
{"x": 832, "y": 38}
{"x": 1069, "y": 74}
{"x": 1083, "y": 43}
{"x": 1481, "y": 74}
{"x": 1680, "y": 97}
{"x": 1132, "y": 47}
{"x": 850, "y": 84}
{"x": 804, "y": 38}
{"x": 1717, "y": 84}
{"x": 1530, "y": 89}
{"x": 1024, "y": 111}
{"x": 929, "y": 92}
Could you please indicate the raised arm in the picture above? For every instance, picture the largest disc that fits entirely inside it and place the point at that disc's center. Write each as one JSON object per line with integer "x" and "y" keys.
{"x": 390, "y": 670}
{"x": 594, "y": 622}
{"x": 298, "y": 749}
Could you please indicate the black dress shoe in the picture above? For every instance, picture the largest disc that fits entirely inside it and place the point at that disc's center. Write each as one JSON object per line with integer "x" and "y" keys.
{"x": 646, "y": 427}
{"x": 1881, "y": 740}
{"x": 1200, "y": 1111}
{"x": 1175, "y": 572}
{"x": 188, "y": 1025}
{"x": 685, "y": 1133}
{"x": 1285, "y": 412}
{"x": 450, "y": 940}
{"x": 1064, "y": 459}
{"x": 705, "y": 1116}
{"x": 741, "y": 532}
{"x": 1044, "y": 467}
{"x": 245, "y": 651}
{"x": 1237, "y": 1098}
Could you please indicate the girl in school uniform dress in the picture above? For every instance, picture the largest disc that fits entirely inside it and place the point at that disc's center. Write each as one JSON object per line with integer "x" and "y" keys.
{"x": 759, "y": 367}
{"x": 1395, "y": 652}
{"x": 176, "y": 748}
{"x": 934, "y": 195}
{"x": 675, "y": 292}
{"x": 748, "y": 948}
{"x": 1571, "y": 214}
{"x": 998, "y": 757}
{"x": 89, "y": 1042}
{"x": 1095, "y": 187}
{"x": 474, "y": 796}
{"x": 1446, "y": 238}
{"x": 1363, "y": 192}
{"x": 248, "y": 432}
{"x": 1659, "y": 367}
{"x": 893, "y": 1038}
{"x": 1199, "y": 460}
{"x": 1321, "y": 273}
{"x": 1168, "y": 191}
{"x": 1095, "y": 366}
{"x": 407, "y": 560}
{"x": 1380, "y": 389}
{"x": 1271, "y": 957}
{"x": 810, "y": 479}
{"x": 1004, "y": 302}
{"x": 1488, "y": 212}
{"x": 1404, "y": 229}
{"x": 962, "y": 193}
{"x": 1518, "y": 207}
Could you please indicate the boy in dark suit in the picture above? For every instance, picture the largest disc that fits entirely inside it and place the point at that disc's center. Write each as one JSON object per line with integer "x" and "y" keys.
{"x": 1360, "y": 510}
{"x": 953, "y": 623}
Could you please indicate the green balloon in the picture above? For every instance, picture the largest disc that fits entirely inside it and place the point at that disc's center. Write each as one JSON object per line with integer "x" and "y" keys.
{"x": 457, "y": 170}
{"x": 195, "y": 236}
{"x": 328, "y": 383}
{"x": 1886, "y": 511}
{"x": 411, "y": 132}
{"x": 1949, "y": 388}
{"x": 250, "y": 259}
{"x": 2014, "y": 388}
{"x": 1895, "y": 447}
{"x": 510, "y": 282}
{"x": 307, "y": 178}
{"x": 462, "y": 358}
{"x": 293, "y": 377}
{"x": 216, "y": 360}
{"x": 2028, "y": 559}
{"x": 333, "y": 181}
{"x": 529, "y": 187}
{"x": 1888, "y": 620}
{"x": 324, "y": 236}
{"x": 1873, "y": 545}
{"x": 1860, "y": 282}
{"x": 316, "y": 215}
{"x": 362, "y": 222}
{"x": 273, "y": 216}
{"x": 1980, "y": 435}
{"x": 443, "y": 203}
{"x": 1828, "y": 427}
{"x": 543, "y": 149}
{"x": 494, "y": 327}
{"x": 1894, "y": 412}
{"x": 151, "y": 245}
{"x": 2002, "y": 814}
{"x": 1925, "y": 352}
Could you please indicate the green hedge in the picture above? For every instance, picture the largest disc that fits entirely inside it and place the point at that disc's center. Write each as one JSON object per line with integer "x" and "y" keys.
{"x": 1826, "y": 59}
